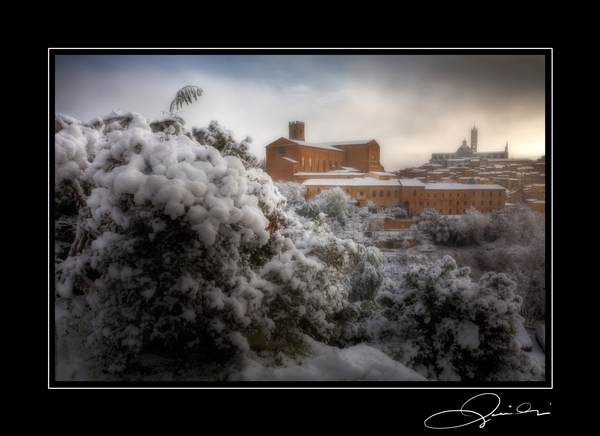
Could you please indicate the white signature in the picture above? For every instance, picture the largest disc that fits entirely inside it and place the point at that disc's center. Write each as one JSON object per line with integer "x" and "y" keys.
{"x": 474, "y": 417}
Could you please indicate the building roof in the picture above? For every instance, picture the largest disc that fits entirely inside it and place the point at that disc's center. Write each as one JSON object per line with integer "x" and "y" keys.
{"x": 338, "y": 143}
{"x": 325, "y": 145}
{"x": 291, "y": 160}
{"x": 382, "y": 173}
{"x": 332, "y": 173}
{"x": 462, "y": 186}
{"x": 411, "y": 182}
{"x": 358, "y": 181}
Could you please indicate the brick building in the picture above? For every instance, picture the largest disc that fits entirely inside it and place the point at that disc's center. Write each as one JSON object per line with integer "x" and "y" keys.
{"x": 414, "y": 195}
{"x": 287, "y": 157}
{"x": 355, "y": 167}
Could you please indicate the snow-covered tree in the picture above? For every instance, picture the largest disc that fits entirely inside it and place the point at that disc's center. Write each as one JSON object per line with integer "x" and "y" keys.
{"x": 294, "y": 194}
{"x": 306, "y": 280}
{"x": 367, "y": 273}
{"x": 182, "y": 246}
{"x": 223, "y": 140}
{"x": 335, "y": 203}
{"x": 309, "y": 209}
{"x": 74, "y": 148}
{"x": 439, "y": 322}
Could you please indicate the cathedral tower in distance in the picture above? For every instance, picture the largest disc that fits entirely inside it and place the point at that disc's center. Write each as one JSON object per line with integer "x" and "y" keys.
{"x": 474, "y": 139}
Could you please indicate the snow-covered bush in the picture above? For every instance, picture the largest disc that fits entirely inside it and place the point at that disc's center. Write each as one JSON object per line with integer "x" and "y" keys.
{"x": 457, "y": 231}
{"x": 74, "y": 147}
{"x": 309, "y": 209}
{"x": 294, "y": 194}
{"x": 224, "y": 140}
{"x": 518, "y": 224}
{"x": 367, "y": 273}
{"x": 440, "y": 323}
{"x": 336, "y": 203}
{"x": 179, "y": 247}
{"x": 396, "y": 212}
{"x": 306, "y": 280}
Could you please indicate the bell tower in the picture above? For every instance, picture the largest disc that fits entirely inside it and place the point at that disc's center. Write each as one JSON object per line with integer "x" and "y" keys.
{"x": 474, "y": 139}
{"x": 297, "y": 130}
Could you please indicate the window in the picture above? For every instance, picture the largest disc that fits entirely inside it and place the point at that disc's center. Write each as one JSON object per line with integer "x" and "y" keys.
{"x": 389, "y": 194}
{"x": 490, "y": 202}
{"x": 282, "y": 151}
{"x": 374, "y": 194}
{"x": 414, "y": 192}
{"x": 482, "y": 202}
{"x": 381, "y": 193}
{"x": 360, "y": 193}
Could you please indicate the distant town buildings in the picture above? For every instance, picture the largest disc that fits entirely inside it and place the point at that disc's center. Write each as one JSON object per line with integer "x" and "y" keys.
{"x": 450, "y": 183}
{"x": 466, "y": 153}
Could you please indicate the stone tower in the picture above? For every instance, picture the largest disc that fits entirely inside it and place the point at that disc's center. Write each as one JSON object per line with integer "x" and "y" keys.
{"x": 474, "y": 139}
{"x": 297, "y": 130}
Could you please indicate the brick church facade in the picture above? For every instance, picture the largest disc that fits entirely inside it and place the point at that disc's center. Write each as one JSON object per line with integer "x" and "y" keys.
{"x": 355, "y": 167}
{"x": 293, "y": 159}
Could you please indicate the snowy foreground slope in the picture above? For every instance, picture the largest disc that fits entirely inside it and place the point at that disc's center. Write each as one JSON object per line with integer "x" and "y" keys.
{"x": 358, "y": 363}
{"x": 324, "y": 364}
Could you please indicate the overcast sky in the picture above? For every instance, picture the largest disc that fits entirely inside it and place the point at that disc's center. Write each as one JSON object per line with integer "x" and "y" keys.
{"x": 413, "y": 103}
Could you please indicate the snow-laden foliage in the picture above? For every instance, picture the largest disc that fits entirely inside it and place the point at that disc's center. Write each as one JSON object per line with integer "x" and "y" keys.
{"x": 440, "y": 323}
{"x": 180, "y": 247}
{"x": 294, "y": 194}
{"x": 309, "y": 209}
{"x": 396, "y": 212}
{"x": 457, "y": 231}
{"x": 185, "y": 95}
{"x": 306, "y": 280}
{"x": 335, "y": 203}
{"x": 222, "y": 139}
{"x": 367, "y": 273}
{"x": 74, "y": 147}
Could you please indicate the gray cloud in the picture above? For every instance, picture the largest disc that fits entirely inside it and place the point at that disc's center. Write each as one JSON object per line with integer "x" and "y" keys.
{"x": 412, "y": 104}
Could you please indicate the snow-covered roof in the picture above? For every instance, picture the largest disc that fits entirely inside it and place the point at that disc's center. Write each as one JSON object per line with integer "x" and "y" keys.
{"x": 338, "y": 143}
{"x": 359, "y": 181}
{"x": 291, "y": 160}
{"x": 383, "y": 173}
{"x": 327, "y": 146}
{"x": 462, "y": 186}
{"x": 411, "y": 182}
{"x": 333, "y": 174}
